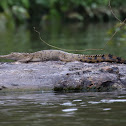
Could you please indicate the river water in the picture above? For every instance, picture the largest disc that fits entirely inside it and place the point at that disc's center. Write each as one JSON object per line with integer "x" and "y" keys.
{"x": 67, "y": 36}
{"x": 62, "y": 109}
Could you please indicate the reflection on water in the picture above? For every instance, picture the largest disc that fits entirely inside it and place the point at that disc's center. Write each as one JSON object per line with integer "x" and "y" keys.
{"x": 59, "y": 109}
{"x": 68, "y": 36}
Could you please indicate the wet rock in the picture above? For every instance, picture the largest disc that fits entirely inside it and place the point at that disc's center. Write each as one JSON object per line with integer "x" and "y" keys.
{"x": 61, "y": 76}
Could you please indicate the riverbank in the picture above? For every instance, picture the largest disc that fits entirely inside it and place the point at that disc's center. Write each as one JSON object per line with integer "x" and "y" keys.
{"x": 61, "y": 76}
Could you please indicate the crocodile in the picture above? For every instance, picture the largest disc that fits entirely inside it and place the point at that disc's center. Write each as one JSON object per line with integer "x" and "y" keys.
{"x": 46, "y": 55}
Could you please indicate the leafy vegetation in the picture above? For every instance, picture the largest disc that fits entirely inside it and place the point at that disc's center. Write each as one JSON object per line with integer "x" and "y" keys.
{"x": 75, "y": 10}
{"x": 120, "y": 34}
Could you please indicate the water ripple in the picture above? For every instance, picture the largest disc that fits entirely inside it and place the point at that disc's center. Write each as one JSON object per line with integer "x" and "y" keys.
{"x": 69, "y": 110}
{"x": 107, "y": 101}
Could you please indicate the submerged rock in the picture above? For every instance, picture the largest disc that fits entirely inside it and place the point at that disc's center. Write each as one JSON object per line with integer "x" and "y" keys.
{"x": 61, "y": 76}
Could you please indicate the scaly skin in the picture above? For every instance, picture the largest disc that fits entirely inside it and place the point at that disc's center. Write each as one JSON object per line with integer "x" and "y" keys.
{"x": 46, "y": 55}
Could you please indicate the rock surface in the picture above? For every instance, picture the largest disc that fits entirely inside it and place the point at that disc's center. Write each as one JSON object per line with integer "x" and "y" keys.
{"x": 58, "y": 76}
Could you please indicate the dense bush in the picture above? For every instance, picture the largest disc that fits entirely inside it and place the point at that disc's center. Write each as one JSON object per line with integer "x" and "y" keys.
{"x": 24, "y": 10}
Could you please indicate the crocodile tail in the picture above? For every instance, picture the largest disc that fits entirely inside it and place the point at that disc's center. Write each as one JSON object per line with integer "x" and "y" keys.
{"x": 101, "y": 58}
{"x": 116, "y": 59}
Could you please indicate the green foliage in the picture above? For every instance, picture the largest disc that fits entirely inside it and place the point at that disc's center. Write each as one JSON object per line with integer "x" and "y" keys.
{"x": 4, "y": 4}
{"x": 17, "y": 9}
{"x": 120, "y": 32}
{"x": 20, "y": 9}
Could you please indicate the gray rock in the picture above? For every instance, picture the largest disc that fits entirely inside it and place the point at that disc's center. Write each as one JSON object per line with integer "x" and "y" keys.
{"x": 61, "y": 76}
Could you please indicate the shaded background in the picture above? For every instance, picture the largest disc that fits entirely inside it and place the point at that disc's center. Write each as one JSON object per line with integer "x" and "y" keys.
{"x": 69, "y": 24}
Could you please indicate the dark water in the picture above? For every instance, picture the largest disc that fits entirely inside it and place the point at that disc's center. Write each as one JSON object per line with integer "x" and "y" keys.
{"x": 63, "y": 109}
{"x": 68, "y": 36}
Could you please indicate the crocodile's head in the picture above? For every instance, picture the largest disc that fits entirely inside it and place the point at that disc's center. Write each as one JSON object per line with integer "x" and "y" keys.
{"x": 14, "y": 56}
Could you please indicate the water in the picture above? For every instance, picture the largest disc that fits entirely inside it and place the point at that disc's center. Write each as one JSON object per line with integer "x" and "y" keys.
{"x": 67, "y": 36}
{"x": 63, "y": 109}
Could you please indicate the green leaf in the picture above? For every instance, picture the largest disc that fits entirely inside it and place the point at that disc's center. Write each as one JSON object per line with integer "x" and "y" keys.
{"x": 4, "y": 4}
{"x": 25, "y": 3}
